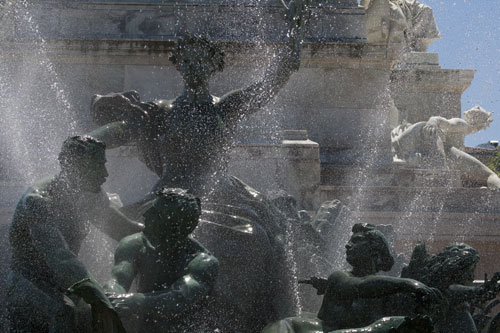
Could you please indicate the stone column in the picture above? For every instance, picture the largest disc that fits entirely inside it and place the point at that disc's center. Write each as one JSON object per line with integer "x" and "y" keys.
{"x": 422, "y": 89}
{"x": 292, "y": 166}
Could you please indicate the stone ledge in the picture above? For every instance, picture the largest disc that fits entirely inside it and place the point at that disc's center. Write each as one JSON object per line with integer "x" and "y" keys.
{"x": 432, "y": 80}
{"x": 220, "y": 20}
{"x": 415, "y": 199}
{"x": 333, "y": 175}
{"x": 148, "y": 52}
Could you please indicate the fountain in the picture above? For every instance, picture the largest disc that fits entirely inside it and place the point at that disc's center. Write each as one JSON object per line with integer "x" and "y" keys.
{"x": 326, "y": 135}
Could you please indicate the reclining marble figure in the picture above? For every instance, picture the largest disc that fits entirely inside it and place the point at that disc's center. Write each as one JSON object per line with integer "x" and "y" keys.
{"x": 175, "y": 273}
{"x": 437, "y": 143}
{"x": 49, "y": 224}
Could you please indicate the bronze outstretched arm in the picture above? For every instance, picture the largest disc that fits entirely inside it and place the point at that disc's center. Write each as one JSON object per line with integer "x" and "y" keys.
{"x": 239, "y": 103}
{"x": 476, "y": 295}
{"x": 109, "y": 219}
{"x": 372, "y": 286}
{"x": 116, "y": 225}
{"x": 125, "y": 269}
{"x": 120, "y": 115}
{"x": 114, "y": 134}
{"x": 320, "y": 284}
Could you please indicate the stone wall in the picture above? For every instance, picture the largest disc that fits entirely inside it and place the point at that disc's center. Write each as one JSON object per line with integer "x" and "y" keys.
{"x": 422, "y": 89}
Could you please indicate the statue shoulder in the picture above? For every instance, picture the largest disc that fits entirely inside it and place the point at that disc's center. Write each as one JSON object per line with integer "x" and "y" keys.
{"x": 34, "y": 209}
{"x": 204, "y": 265}
{"x": 124, "y": 106}
{"x": 339, "y": 275}
{"x": 37, "y": 197}
{"x": 337, "y": 278}
{"x": 130, "y": 247}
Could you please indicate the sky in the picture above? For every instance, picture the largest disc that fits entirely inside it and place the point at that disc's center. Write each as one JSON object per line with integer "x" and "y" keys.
{"x": 470, "y": 32}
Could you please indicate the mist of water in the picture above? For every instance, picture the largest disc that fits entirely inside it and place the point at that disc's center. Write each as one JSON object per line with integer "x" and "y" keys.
{"x": 36, "y": 113}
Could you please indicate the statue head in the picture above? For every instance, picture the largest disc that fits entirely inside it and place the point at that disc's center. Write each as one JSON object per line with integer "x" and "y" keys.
{"x": 458, "y": 263}
{"x": 197, "y": 59}
{"x": 82, "y": 160}
{"x": 368, "y": 246}
{"x": 173, "y": 215}
{"x": 455, "y": 264}
{"x": 478, "y": 117}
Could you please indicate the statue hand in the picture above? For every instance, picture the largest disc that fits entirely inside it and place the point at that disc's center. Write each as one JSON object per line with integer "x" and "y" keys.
{"x": 104, "y": 317}
{"x": 429, "y": 300}
{"x": 319, "y": 284}
{"x": 494, "y": 280}
{"x": 432, "y": 130}
{"x": 489, "y": 289}
{"x": 427, "y": 297}
{"x": 127, "y": 304}
{"x": 428, "y": 293}
{"x": 91, "y": 292}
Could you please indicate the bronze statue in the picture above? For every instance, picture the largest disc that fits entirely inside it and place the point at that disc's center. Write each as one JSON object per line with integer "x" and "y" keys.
{"x": 452, "y": 272}
{"x": 175, "y": 274}
{"x": 184, "y": 140}
{"x": 357, "y": 298}
{"x": 49, "y": 224}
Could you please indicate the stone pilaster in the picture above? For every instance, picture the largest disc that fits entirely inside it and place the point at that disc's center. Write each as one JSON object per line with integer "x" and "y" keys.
{"x": 421, "y": 88}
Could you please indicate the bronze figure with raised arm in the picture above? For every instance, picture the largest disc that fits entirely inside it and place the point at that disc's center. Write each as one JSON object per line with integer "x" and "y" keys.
{"x": 438, "y": 143}
{"x": 184, "y": 140}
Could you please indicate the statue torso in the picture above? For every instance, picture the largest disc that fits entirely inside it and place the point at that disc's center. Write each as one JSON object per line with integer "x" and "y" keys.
{"x": 184, "y": 143}
{"x": 158, "y": 270}
{"x": 339, "y": 313}
{"x": 40, "y": 208}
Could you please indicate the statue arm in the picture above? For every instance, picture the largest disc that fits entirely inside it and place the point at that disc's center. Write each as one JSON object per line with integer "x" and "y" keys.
{"x": 109, "y": 219}
{"x": 476, "y": 295}
{"x": 47, "y": 239}
{"x": 116, "y": 225}
{"x": 376, "y": 286}
{"x": 453, "y": 125}
{"x": 187, "y": 290}
{"x": 124, "y": 269}
{"x": 459, "y": 293}
{"x": 67, "y": 270}
{"x": 237, "y": 104}
{"x": 121, "y": 116}
{"x": 115, "y": 134}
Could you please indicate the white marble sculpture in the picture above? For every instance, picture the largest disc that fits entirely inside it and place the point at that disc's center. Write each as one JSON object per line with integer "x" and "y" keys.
{"x": 400, "y": 21}
{"x": 437, "y": 143}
